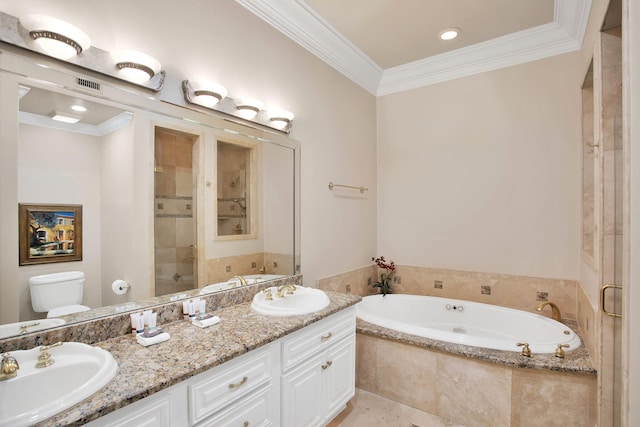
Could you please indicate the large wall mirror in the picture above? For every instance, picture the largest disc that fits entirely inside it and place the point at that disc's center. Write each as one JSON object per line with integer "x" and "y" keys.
{"x": 175, "y": 201}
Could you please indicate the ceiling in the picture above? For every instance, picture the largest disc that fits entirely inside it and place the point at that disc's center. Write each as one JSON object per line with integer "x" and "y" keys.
{"x": 388, "y": 46}
{"x": 394, "y": 33}
{"x": 37, "y": 106}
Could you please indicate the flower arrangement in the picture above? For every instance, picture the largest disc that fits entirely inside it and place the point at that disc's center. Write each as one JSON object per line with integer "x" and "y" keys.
{"x": 385, "y": 278}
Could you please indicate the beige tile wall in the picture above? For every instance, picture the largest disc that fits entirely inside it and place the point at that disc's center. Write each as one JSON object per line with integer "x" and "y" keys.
{"x": 587, "y": 323}
{"x": 358, "y": 281}
{"x": 174, "y": 212}
{"x": 472, "y": 392}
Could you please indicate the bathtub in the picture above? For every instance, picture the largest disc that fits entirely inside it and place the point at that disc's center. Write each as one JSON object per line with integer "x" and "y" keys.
{"x": 465, "y": 322}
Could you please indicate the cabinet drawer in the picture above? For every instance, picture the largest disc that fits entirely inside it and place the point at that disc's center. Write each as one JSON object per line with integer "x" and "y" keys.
{"x": 314, "y": 338}
{"x": 259, "y": 409}
{"x": 230, "y": 381}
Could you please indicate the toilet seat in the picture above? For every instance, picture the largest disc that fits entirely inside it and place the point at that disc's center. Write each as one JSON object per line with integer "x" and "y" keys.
{"x": 67, "y": 309}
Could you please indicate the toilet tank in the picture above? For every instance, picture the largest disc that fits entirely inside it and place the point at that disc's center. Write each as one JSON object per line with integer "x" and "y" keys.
{"x": 49, "y": 291}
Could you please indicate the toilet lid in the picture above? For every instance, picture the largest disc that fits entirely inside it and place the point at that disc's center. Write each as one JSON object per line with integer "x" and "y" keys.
{"x": 67, "y": 309}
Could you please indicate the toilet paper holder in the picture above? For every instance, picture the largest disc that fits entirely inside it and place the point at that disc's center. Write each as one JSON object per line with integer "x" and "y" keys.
{"x": 120, "y": 287}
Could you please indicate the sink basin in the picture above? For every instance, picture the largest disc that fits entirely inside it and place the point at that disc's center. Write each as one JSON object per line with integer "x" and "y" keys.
{"x": 303, "y": 301}
{"x": 35, "y": 394}
{"x": 234, "y": 282}
{"x": 12, "y": 329}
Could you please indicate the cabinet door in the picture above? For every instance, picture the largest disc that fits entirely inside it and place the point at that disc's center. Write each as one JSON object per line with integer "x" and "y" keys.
{"x": 153, "y": 411}
{"x": 303, "y": 401}
{"x": 339, "y": 376}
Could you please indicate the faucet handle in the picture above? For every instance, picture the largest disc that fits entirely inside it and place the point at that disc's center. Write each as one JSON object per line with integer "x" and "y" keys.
{"x": 526, "y": 351}
{"x": 560, "y": 352}
{"x": 268, "y": 295}
{"x": 44, "y": 359}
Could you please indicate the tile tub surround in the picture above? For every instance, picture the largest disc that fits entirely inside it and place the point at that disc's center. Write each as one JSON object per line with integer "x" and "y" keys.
{"x": 476, "y": 387}
{"x": 221, "y": 269}
{"x": 143, "y": 371}
{"x": 520, "y": 292}
{"x": 110, "y": 322}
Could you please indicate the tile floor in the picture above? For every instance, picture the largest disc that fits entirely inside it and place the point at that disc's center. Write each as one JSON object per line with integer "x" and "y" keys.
{"x": 370, "y": 410}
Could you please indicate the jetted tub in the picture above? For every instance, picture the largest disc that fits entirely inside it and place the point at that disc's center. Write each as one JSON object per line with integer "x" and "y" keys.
{"x": 465, "y": 322}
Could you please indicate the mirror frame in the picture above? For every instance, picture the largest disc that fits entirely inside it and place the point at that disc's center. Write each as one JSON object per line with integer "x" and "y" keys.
{"x": 19, "y": 67}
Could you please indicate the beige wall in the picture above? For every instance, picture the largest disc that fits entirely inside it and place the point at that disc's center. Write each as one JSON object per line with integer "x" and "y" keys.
{"x": 59, "y": 167}
{"x": 483, "y": 173}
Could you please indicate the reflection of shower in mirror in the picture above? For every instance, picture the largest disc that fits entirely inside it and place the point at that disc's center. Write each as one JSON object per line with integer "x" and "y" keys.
{"x": 243, "y": 207}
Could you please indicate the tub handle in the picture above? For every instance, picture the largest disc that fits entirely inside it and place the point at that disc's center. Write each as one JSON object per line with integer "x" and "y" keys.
{"x": 526, "y": 351}
{"x": 602, "y": 292}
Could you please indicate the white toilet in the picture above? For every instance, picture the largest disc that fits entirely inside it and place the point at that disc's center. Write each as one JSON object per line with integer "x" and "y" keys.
{"x": 58, "y": 293}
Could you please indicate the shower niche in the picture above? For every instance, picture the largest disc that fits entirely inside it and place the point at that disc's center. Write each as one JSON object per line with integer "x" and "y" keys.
{"x": 236, "y": 201}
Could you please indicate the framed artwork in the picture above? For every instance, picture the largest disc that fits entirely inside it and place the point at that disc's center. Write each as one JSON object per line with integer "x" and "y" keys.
{"x": 49, "y": 233}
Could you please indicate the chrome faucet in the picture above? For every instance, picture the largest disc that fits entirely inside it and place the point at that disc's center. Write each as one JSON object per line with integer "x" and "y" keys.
{"x": 555, "y": 311}
{"x": 243, "y": 281}
{"x": 9, "y": 367}
{"x": 288, "y": 288}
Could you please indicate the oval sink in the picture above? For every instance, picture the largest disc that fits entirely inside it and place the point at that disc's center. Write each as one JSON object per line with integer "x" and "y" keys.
{"x": 35, "y": 394}
{"x": 20, "y": 328}
{"x": 303, "y": 301}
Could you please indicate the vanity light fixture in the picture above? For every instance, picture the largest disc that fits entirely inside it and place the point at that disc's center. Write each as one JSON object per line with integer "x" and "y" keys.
{"x": 213, "y": 96}
{"x": 55, "y": 37}
{"x": 280, "y": 119}
{"x": 64, "y": 117}
{"x": 248, "y": 108}
{"x": 134, "y": 66}
{"x": 207, "y": 94}
{"x": 449, "y": 33}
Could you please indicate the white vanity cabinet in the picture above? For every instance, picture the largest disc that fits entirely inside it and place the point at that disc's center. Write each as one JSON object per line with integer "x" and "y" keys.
{"x": 301, "y": 380}
{"x": 318, "y": 371}
{"x": 243, "y": 392}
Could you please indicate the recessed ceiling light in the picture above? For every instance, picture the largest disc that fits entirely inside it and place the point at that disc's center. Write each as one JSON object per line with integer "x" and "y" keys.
{"x": 449, "y": 33}
{"x": 64, "y": 117}
{"x": 78, "y": 108}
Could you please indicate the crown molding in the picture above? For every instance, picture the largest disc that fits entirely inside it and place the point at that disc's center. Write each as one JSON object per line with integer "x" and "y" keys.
{"x": 110, "y": 125}
{"x": 296, "y": 20}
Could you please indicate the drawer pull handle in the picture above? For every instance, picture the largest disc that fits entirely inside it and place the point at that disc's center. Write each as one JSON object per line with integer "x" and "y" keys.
{"x": 326, "y": 337}
{"x": 244, "y": 380}
{"x": 326, "y": 365}
{"x": 246, "y": 424}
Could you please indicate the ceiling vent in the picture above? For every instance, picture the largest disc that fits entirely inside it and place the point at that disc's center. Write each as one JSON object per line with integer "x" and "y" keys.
{"x": 88, "y": 84}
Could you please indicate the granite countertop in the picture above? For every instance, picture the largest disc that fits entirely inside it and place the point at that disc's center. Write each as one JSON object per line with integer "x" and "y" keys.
{"x": 143, "y": 371}
{"x": 576, "y": 361}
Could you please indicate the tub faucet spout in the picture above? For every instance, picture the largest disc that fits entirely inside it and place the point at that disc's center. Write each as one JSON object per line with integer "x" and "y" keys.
{"x": 243, "y": 281}
{"x": 555, "y": 311}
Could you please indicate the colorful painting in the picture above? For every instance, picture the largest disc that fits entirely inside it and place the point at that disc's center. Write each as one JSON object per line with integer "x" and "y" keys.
{"x": 50, "y": 233}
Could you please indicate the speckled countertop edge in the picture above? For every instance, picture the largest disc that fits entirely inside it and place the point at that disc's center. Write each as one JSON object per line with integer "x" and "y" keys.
{"x": 575, "y": 362}
{"x": 143, "y": 371}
